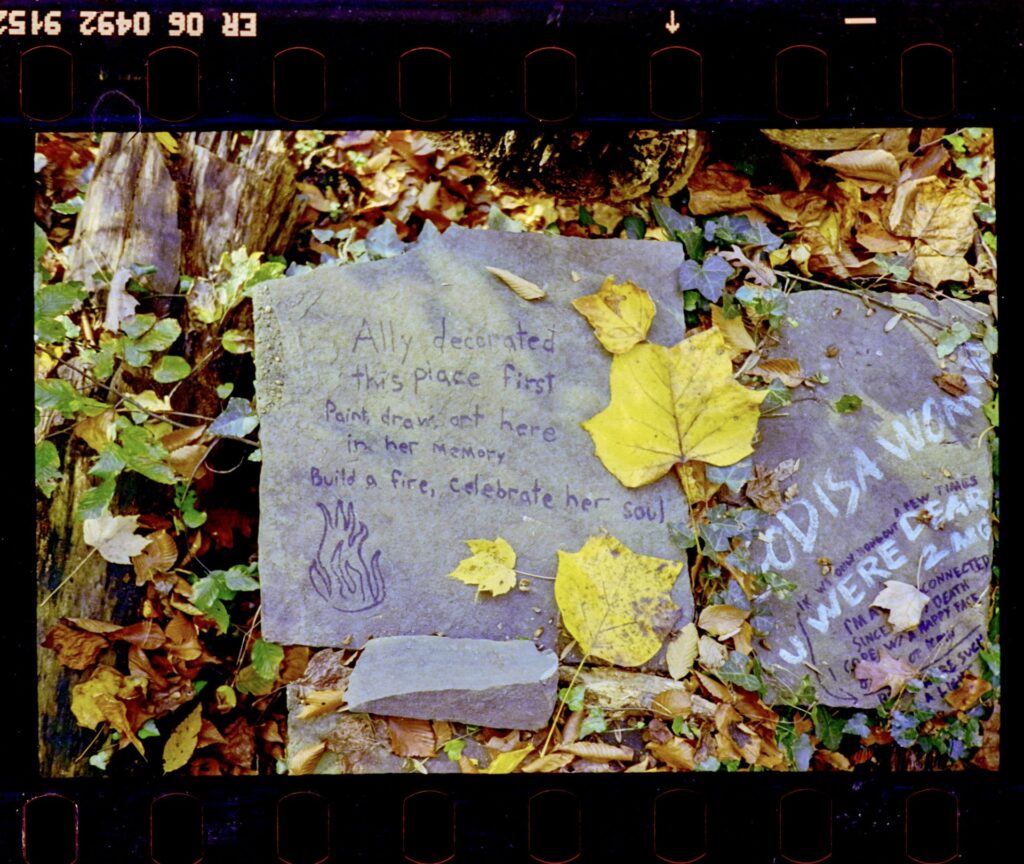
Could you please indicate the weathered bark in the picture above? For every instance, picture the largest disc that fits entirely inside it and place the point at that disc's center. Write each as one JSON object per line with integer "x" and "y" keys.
{"x": 608, "y": 165}
{"x": 179, "y": 213}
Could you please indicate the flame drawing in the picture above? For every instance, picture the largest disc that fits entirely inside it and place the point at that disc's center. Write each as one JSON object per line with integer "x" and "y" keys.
{"x": 346, "y": 581}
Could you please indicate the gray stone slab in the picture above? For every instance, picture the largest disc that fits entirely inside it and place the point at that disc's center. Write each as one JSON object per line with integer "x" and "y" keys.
{"x": 900, "y": 489}
{"x": 376, "y": 467}
{"x": 508, "y": 685}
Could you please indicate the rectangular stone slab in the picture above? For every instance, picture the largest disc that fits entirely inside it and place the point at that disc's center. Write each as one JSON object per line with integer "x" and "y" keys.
{"x": 897, "y": 490}
{"x": 410, "y": 404}
{"x": 508, "y": 685}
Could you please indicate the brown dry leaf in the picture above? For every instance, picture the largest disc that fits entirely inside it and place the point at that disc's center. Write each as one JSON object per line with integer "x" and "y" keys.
{"x": 675, "y": 752}
{"x": 104, "y": 681}
{"x": 682, "y": 651}
{"x": 875, "y": 238}
{"x": 987, "y": 756}
{"x": 942, "y": 217}
{"x": 306, "y": 760}
{"x": 411, "y": 737}
{"x": 822, "y": 139}
{"x": 722, "y": 620}
{"x": 712, "y": 653}
{"x": 177, "y": 438}
{"x": 598, "y": 751}
{"x": 443, "y": 732}
{"x": 113, "y": 710}
{"x": 736, "y": 335}
{"x": 296, "y": 659}
{"x": 971, "y": 689}
{"x": 468, "y": 765}
{"x": 904, "y": 602}
{"x": 934, "y": 269}
{"x": 159, "y": 556}
{"x": 92, "y": 625}
{"x": 187, "y": 461}
{"x": 184, "y": 638}
{"x": 877, "y": 165}
{"x": 209, "y": 734}
{"x": 181, "y": 743}
{"x": 743, "y": 640}
{"x": 316, "y": 703}
{"x": 954, "y": 385}
{"x": 548, "y": 764}
{"x": 522, "y": 287}
{"x": 147, "y": 635}
{"x": 75, "y": 649}
{"x": 887, "y": 671}
{"x": 715, "y": 687}
{"x": 833, "y": 760}
{"x": 786, "y": 369}
{"x": 718, "y": 189}
{"x": 765, "y": 488}
{"x": 240, "y": 748}
{"x": 672, "y": 703}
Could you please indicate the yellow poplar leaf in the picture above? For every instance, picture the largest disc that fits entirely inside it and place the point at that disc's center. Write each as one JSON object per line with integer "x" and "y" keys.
{"x": 673, "y": 405}
{"x": 723, "y": 620}
{"x": 682, "y": 651}
{"x": 114, "y": 537}
{"x": 181, "y": 743}
{"x": 733, "y": 330}
{"x": 904, "y": 603}
{"x": 614, "y": 602}
{"x": 506, "y": 763}
{"x": 523, "y": 287}
{"x": 621, "y": 314}
{"x": 490, "y": 567}
{"x": 115, "y": 714}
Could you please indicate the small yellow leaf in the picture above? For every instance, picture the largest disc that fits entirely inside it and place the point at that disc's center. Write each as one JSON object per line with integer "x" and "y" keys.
{"x": 904, "y": 603}
{"x": 672, "y": 405}
{"x": 168, "y": 141}
{"x": 682, "y": 651}
{"x": 316, "y": 703}
{"x": 506, "y": 763}
{"x": 105, "y": 681}
{"x": 181, "y": 743}
{"x": 523, "y": 287}
{"x": 734, "y": 331}
{"x": 490, "y": 567}
{"x": 723, "y": 620}
{"x": 614, "y": 602}
{"x": 305, "y": 761}
{"x": 621, "y": 315}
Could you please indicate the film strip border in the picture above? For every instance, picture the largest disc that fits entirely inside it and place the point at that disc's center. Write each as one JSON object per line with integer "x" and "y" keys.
{"x": 463, "y": 62}
{"x": 373, "y": 819}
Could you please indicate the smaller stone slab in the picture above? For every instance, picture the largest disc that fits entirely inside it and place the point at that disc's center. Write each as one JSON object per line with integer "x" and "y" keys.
{"x": 507, "y": 685}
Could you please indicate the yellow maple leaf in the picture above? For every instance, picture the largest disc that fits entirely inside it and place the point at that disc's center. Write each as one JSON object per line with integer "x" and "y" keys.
{"x": 491, "y": 567}
{"x": 674, "y": 405}
{"x": 621, "y": 314}
{"x": 181, "y": 743}
{"x": 507, "y": 762}
{"x": 105, "y": 681}
{"x": 614, "y": 602}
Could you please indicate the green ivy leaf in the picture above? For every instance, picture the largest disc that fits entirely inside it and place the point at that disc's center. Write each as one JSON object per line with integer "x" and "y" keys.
{"x": 991, "y": 339}
{"x": 47, "y": 467}
{"x": 848, "y": 403}
{"x": 573, "y": 698}
{"x": 267, "y": 658}
{"x": 453, "y": 748}
{"x": 952, "y": 338}
{"x": 205, "y": 592}
{"x": 733, "y": 476}
{"x": 986, "y": 213}
{"x": 142, "y": 453}
{"x": 148, "y": 729}
{"x": 94, "y": 501}
{"x": 171, "y": 368}
{"x": 829, "y": 729}
{"x": 59, "y": 395}
{"x": 239, "y": 341}
{"x": 595, "y": 721}
{"x": 737, "y": 670}
{"x": 991, "y": 410}
{"x": 250, "y": 681}
{"x": 636, "y": 228}
{"x": 239, "y": 578}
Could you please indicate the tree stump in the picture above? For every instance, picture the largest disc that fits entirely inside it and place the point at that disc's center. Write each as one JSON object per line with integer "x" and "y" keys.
{"x": 178, "y": 212}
